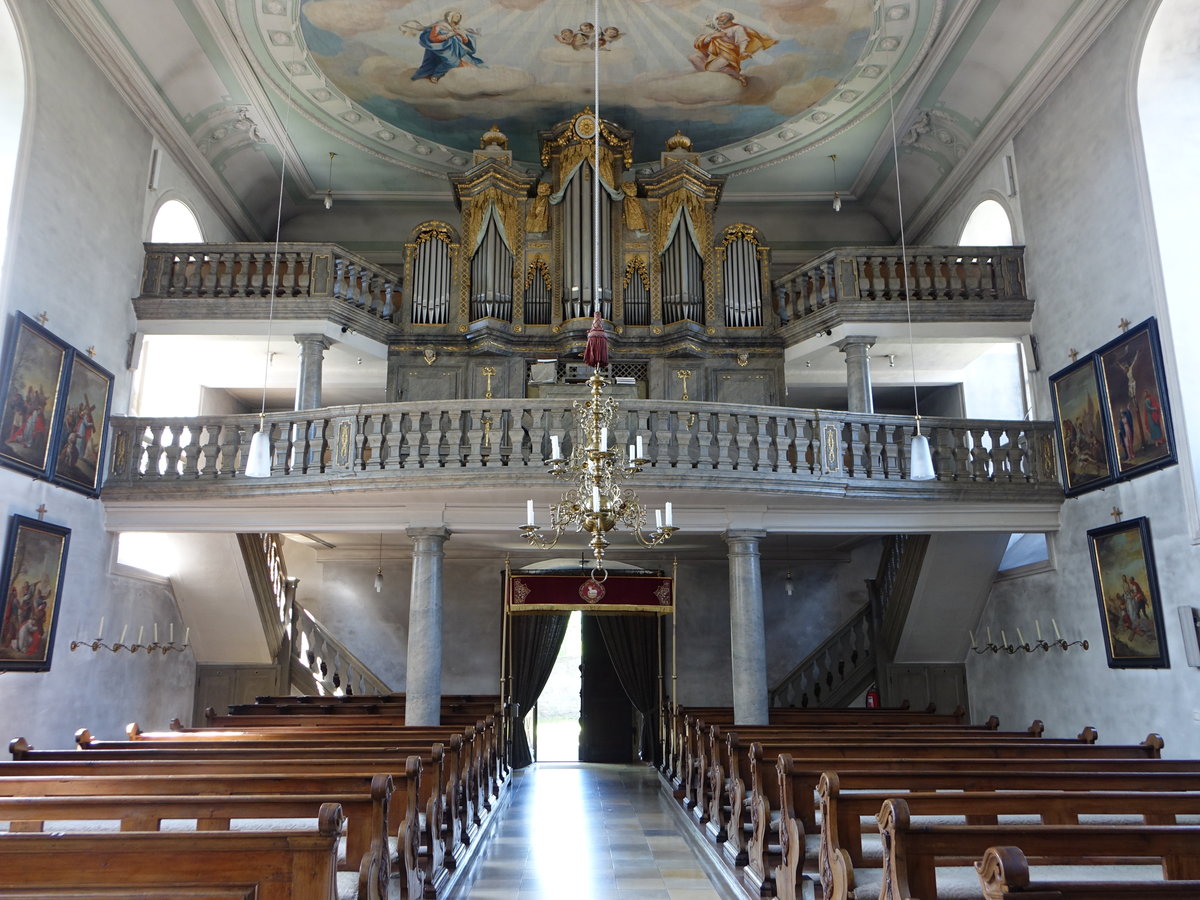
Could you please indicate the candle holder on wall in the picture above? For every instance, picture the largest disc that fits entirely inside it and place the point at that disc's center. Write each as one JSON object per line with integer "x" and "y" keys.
{"x": 1027, "y": 646}
{"x": 169, "y": 646}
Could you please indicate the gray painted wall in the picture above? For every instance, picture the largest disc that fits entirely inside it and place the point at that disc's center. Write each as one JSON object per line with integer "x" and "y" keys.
{"x": 1092, "y": 262}
{"x": 374, "y": 626}
{"x": 84, "y": 161}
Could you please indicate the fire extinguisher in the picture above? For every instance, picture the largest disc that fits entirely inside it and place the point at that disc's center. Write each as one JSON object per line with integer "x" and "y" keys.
{"x": 872, "y": 699}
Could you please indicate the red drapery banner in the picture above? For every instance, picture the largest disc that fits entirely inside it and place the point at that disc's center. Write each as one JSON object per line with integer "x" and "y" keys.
{"x": 618, "y": 594}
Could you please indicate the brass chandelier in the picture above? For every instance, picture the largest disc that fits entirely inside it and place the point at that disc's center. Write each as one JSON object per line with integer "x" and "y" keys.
{"x": 597, "y": 503}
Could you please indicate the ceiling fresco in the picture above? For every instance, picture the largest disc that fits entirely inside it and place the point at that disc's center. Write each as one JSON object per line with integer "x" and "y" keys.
{"x": 747, "y": 81}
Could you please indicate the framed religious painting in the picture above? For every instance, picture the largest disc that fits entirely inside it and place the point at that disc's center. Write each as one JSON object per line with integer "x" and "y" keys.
{"x": 35, "y": 559}
{"x": 35, "y": 364}
{"x": 1135, "y": 396}
{"x": 1127, "y": 590}
{"x": 1084, "y": 450}
{"x": 83, "y": 426}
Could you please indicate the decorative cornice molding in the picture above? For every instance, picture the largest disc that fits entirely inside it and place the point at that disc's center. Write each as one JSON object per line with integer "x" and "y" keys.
{"x": 1050, "y": 67}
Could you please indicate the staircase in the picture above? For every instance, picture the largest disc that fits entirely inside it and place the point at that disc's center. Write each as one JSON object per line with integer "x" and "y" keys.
{"x": 310, "y": 659}
{"x": 852, "y": 658}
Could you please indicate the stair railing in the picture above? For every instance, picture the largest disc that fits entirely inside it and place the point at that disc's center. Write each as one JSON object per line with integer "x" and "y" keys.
{"x": 309, "y": 657}
{"x": 835, "y": 672}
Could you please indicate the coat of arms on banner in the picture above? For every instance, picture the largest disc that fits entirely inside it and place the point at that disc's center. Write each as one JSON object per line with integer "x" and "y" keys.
{"x": 591, "y": 591}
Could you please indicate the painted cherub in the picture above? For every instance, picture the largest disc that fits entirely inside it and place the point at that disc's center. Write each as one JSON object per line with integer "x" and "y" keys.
{"x": 571, "y": 38}
{"x": 609, "y": 35}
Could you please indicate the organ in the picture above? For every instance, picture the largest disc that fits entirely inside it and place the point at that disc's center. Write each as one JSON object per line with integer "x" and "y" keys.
{"x": 511, "y": 285}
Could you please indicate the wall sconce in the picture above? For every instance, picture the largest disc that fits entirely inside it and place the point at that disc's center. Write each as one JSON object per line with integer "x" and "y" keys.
{"x": 1040, "y": 644}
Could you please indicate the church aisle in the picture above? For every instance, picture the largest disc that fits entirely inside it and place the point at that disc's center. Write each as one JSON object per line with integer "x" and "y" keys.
{"x": 587, "y": 832}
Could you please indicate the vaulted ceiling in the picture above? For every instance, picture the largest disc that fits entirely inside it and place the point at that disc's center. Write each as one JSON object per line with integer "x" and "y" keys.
{"x": 236, "y": 87}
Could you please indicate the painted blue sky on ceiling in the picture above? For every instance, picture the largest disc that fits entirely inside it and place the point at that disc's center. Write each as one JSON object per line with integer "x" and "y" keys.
{"x": 718, "y": 72}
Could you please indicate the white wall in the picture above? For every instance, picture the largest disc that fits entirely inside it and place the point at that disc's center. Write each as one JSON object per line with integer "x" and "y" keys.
{"x": 75, "y": 253}
{"x": 1091, "y": 262}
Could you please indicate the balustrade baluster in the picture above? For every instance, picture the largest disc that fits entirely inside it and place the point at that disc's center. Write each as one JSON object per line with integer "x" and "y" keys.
{"x": 206, "y": 266}
{"x": 857, "y": 450}
{"x": 388, "y": 309}
{"x": 352, "y": 292}
{"x": 939, "y": 269}
{"x": 339, "y": 278}
{"x": 220, "y": 450}
{"x": 408, "y": 449}
{"x": 978, "y": 453}
{"x": 370, "y": 442}
{"x": 444, "y": 440}
{"x": 725, "y": 449}
{"x": 365, "y": 299}
{"x": 758, "y": 447}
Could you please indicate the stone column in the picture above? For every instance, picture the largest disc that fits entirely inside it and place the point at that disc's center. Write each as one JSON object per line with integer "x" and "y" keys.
{"x": 423, "y": 688}
{"x": 308, "y": 385}
{"x": 747, "y": 637}
{"x": 858, "y": 372}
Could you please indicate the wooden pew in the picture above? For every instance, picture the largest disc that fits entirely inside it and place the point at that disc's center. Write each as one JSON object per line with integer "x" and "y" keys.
{"x": 444, "y": 835}
{"x": 475, "y": 768}
{"x": 913, "y": 853}
{"x": 682, "y": 719}
{"x": 287, "y": 865}
{"x": 1004, "y": 873}
{"x": 841, "y": 847}
{"x": 752, "y": 768}
{"x": 490, "y": 746}
{"x": 777, "y": 785}
{"x": 367, "y": 850}
{"x": 723, "y": 757}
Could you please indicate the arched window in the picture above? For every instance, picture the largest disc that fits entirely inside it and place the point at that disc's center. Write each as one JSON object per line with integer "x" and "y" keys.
{"x": 987, "y": 226}
{"x": 12, "y": 112}
{"x": 175, "y": 223}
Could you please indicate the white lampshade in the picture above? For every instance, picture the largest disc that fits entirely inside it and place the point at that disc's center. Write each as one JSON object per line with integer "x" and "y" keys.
{"x": 258, "y": 460}
{"x": 379, "y": 581}
{"x": 920, "y": 464}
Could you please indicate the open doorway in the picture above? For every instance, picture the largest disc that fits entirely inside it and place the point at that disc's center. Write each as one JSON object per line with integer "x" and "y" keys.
{"x": 556, "y": 732}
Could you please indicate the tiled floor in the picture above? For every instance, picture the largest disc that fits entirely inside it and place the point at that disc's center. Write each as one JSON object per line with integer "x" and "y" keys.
{"x": 574, "y": 831}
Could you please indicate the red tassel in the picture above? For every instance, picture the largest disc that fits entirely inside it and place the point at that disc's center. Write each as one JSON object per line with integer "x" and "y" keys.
{"x": 595, "y": 354}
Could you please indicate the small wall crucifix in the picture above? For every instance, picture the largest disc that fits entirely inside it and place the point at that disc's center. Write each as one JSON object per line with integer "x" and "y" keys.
{"x": 488, "y": 372}
{"x": 41, "y": 511}
{"x": 1073, "y": 353}
{"x": 1116, "y": 514}
{"x": 683, "y": 375}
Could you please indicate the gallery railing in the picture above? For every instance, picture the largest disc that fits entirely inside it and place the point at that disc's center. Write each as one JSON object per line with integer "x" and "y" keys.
{"x": 713, "y": 444}
{"x": 944, "y": 283}
{"x": 235, "y": 280}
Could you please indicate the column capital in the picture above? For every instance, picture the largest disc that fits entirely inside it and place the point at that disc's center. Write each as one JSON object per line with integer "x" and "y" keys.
{"x": 432, "y": 537}
{"x": 324, "y": 340}
{"x": 740, "y": 536}
{"x": 856, "y": 340}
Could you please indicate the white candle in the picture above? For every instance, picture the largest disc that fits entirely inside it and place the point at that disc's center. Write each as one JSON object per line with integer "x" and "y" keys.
{"x": 156, "y": 632}
{"x": 1003, "y": 638}
{"x": 972, "y": 634}
{"x": 658, "y": 519}
{"x": 555, "y": 452}
{"x": 595, "y": 498}
{"x": 667, "y": 515}
{"x": 187, "y": 633}
{"x": 171, "y": 633}
{"x": 100, "y": 630}
{"x": 141, "y": 631}
{"x": 123, "y": 630}
{"x": 604, "y": 439}
{"x": 529, "y": 512}
{"x": 1057, "y": 634}
{"x": 632, "y": 457}
{"x": 1037, "y": 623}
{"x": 1020, "y": 637}
{"x": 990, "y": 641}
{"x": 639, "y": 447}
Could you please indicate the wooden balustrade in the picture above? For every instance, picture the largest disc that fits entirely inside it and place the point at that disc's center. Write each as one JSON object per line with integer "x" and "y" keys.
{"x": 243, "y": 271}
{"x": 712, "y": 445}
{"x": 945, "y": 282}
